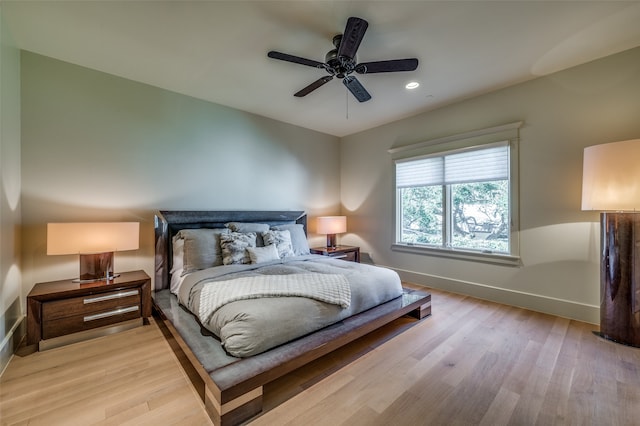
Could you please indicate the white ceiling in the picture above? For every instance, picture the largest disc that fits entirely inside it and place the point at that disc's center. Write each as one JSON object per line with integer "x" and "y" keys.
{"x": 217, "y": 50}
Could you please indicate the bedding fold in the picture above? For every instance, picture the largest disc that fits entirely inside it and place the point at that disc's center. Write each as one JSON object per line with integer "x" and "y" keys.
{"x": 328, "y": 288}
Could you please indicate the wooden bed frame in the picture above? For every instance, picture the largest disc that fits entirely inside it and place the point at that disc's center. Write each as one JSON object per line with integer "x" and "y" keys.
{"x": 232, "y": 392}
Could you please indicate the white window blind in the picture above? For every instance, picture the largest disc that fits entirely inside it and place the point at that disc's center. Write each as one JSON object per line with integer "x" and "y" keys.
{"x": 476, "y": 165}
{"x": 422, "y": 172}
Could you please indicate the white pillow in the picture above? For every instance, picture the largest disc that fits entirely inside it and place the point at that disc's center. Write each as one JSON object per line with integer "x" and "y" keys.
{"x": 177, "y": 265}
{"x": 263, "y": 254}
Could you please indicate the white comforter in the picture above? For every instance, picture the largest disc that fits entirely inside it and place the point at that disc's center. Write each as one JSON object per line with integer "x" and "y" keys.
{"x": 252, "y": 325}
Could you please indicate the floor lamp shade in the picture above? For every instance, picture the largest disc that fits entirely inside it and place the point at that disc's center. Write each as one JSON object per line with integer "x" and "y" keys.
{"x": 611, "y": 185}
{"x": 611, "y": 177}
{"x": 332, "y": 225}
{"x": 95, "y": 243}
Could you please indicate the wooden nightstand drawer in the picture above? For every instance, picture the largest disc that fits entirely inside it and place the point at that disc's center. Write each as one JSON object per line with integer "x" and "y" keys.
{"x": 90, "y": 304}
{"x": 75, "y": 323}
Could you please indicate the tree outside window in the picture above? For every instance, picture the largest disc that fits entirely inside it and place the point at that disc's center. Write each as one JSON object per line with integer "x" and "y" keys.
{"x": 457, "y": 200}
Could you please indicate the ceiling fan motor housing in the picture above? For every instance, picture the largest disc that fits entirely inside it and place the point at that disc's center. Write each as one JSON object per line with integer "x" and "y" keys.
{"x": 340, "y": 66}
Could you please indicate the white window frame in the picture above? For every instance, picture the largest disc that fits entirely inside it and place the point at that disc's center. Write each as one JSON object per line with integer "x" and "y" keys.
{"x": 458, "y": 143}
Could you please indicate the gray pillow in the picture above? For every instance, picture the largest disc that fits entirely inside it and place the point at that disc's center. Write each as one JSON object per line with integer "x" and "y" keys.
{"x": 245, "y": 227}
{"x": 234, "y": 247}
{"x": 282, "y": 241}
{"x": 201, "y": 248}
{"x": 298, "y": 237}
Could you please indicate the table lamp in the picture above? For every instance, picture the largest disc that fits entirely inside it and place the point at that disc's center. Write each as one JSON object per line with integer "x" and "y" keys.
{"x": 95, "y": 243}
{"x": 611, "y": 185}
{"x": 332, "y": 225}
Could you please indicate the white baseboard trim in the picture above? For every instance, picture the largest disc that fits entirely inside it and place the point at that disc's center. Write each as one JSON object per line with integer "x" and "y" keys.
{"x": 9, "y": 343}
{"x": 534, "y": 302}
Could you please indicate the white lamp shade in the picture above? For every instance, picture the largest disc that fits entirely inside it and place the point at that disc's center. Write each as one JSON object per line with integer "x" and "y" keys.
{"x": 88, "y": 238}
{"x": 611, "y": 177}
{"x": 332, "y": 224}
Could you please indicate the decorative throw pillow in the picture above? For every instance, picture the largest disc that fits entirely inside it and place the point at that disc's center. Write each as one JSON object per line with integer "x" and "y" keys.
{"x": 298, "y": 237}
{"x": 245, "y": 227}
{"x": 282, "y": 241}
{"x": 201, "y": 248}
{"x": 263, "y": 254}
{"x": 234, "y": 247}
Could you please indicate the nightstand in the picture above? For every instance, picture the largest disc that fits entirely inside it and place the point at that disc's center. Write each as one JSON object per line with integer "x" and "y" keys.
{"x": 63, "y": 312}
{"x": 349, "y": 253}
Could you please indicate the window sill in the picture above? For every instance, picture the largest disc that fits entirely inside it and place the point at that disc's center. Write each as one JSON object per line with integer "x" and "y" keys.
{"x": 473, "y": 256}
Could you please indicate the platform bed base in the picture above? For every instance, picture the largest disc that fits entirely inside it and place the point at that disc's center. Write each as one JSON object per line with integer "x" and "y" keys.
{"x": 233, "y": 393}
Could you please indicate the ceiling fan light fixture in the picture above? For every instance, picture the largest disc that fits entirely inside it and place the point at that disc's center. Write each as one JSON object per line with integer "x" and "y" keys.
{"x": 412, "y": 85}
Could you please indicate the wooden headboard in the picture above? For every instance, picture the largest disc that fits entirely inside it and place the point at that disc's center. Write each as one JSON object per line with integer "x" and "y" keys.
{"x": 169, "y": 222}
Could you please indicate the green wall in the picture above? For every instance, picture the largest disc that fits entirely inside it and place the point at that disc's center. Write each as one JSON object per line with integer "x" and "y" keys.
{"x": 96, "y": 147}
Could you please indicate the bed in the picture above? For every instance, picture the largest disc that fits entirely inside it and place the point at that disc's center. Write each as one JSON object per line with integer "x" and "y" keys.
{"x": 230, "y": 341}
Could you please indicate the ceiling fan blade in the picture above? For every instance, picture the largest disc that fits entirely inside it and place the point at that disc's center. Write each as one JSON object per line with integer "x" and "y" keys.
{"x": 313, "y": 86}
{"x": 356, "y": 88}
{"x": 353, "y": 35}
{"x": 393, "y": 65}
{"x": 295, "y": 59}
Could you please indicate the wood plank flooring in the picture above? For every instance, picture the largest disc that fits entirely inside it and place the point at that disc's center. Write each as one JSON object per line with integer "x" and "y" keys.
{"x": 129, "y": 378}
{"x": 472, "y": 363}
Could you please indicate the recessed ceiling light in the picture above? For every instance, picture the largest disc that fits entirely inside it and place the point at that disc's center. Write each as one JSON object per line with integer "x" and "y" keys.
{"x": 412, "y": 85}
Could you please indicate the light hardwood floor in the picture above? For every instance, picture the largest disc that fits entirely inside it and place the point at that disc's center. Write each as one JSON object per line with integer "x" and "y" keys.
{"x": 129, "y": 378}
{"x": 472, "y": 362}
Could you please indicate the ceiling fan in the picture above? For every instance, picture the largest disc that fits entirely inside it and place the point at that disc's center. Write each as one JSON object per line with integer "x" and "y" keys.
{"x": 341, "y": 62}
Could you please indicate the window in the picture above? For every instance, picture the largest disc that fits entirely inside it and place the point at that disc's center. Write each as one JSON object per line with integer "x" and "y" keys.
{"x": 459, "y": 200}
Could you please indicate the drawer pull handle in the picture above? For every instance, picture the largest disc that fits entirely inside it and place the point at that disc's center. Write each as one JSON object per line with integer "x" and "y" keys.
{"x": 111, "y": 296}
{"x": 113, "y": 313}
{"x": 338, "y": 256}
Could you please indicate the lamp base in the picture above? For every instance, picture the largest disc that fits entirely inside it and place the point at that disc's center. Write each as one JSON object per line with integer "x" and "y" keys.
{"x": 620, "y": 278}
{"x": 331, "y": 240}
{"x": 96, "y": 267}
